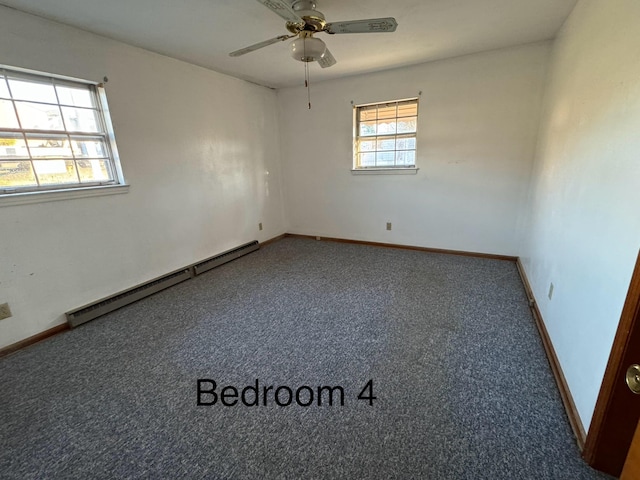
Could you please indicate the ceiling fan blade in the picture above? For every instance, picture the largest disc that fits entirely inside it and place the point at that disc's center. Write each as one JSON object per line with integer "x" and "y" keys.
{"x": 257, "y": 46}
{"x": 327, "y": 59}
{"x": 370, "y": 25}
{"x": 283, "y": 9}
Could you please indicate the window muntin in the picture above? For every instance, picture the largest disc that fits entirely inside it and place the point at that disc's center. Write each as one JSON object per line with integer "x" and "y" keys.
{"x": 54, "y": 134}
{"x": 385, "y": 135}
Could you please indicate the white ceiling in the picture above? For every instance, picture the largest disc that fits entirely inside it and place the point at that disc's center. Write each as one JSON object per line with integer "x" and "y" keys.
{"x": 203, "y": 32}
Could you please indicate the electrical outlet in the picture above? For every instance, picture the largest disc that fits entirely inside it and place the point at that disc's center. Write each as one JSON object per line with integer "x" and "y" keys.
{"x": 5, "y": 312}
{"x": 260, "y": 226}
{"x": 388, "y": 225}
{"x": 550, "y": 290}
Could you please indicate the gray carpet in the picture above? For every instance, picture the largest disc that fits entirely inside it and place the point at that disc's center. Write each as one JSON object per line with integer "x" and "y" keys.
{"x": 462, "y": 383}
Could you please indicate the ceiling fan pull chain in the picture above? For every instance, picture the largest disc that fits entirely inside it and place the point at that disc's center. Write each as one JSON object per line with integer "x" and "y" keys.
{"x": 308, "y": 83}
{"x": 306, "y": 72}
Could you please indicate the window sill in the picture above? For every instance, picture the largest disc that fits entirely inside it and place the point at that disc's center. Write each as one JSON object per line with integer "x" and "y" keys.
{"x": 9, "y": 199}
{"x": 384, "y": 171}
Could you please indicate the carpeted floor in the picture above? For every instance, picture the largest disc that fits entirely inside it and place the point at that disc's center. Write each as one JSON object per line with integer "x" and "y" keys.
{"x": 462, "y": 383}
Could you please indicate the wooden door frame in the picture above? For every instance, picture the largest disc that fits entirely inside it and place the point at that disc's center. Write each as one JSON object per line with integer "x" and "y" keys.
{"x": 615, "y": 371}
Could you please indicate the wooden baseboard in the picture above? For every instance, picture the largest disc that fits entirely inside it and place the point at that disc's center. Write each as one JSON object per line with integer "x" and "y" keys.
{"x": 34, "y": 339}
{"x": 272, "y": 240}
{"x": 407, "y": 247}
{"x": 563, "y": 387}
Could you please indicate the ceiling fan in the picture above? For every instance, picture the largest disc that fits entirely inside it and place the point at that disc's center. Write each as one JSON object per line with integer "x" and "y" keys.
{"x": 304, "y": 21}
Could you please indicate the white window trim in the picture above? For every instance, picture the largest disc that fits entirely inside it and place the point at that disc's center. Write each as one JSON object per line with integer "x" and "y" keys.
{"x": 65, "y": 192}
{"x": 25, "y": 198}
{"x": 385, "y": 171}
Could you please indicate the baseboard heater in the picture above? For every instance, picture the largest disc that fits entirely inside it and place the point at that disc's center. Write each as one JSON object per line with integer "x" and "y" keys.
{"x": 109, "y": 304}
{"x": 113, "y": 302}
{"x": 225, "y": 257}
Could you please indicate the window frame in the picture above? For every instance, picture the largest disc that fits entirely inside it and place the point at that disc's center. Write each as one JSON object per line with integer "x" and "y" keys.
{"x": 105, "y": 135}
{"x": 357, "y": 138}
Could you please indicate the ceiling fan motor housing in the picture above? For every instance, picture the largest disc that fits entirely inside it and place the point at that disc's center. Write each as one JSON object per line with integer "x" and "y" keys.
{"x": 314, "y": 21}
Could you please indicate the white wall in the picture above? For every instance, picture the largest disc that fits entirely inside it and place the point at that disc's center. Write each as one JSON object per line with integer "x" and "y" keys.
{"x": 584, "y": 228}
{"x": 476, "y": 140}
{"x": 199, "y": 149}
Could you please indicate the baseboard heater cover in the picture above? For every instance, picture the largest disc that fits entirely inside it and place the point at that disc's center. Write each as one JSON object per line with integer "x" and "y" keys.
{"x": 225, "y": 257}
{"x": 109, "y": 304}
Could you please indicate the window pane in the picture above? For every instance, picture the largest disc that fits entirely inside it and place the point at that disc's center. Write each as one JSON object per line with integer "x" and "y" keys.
{"x": 406, "y": 159}
{"x": 4, "y": 91}
{"x": 94, "y": 170}
{"x": 32, "y": 91}
{"x": 386, "y": 144}
{"x": 36, "y": 116}
{"x": 367, "y": 146}
{"x": 52, "y": 172}
{"x": 387, "y": 112}
{"x": 80, "y": 119}
{"x": 406, "y": 143}
{"x": 367, "y": 160}
{"x": 91, "y": 147}
{"x": 49, "y": 146}
{"x": 386, "y": 127}
{"x": 12, "y": 145}
{"x": 16, "y": 174}
{"x": 368, "y": 113}
{"x": 407, "y": 125}
{"x": 408, "y": 109}
{"x": 8, "y": 115}
{"x": 385, "y": 159}
{"x": 367, "y": 129}
{"x": 78, "y": 97}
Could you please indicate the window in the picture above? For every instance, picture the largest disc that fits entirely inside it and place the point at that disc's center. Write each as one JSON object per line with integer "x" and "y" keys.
{"x": 385, "y": 135}
{"x": 55, "y": 134}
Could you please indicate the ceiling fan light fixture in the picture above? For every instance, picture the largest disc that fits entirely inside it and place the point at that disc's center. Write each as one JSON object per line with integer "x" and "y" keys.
{"x": 308, "y": 49}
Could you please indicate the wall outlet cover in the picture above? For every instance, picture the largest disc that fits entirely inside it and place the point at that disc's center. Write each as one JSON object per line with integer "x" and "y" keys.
{"x": 388, "y": 225}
